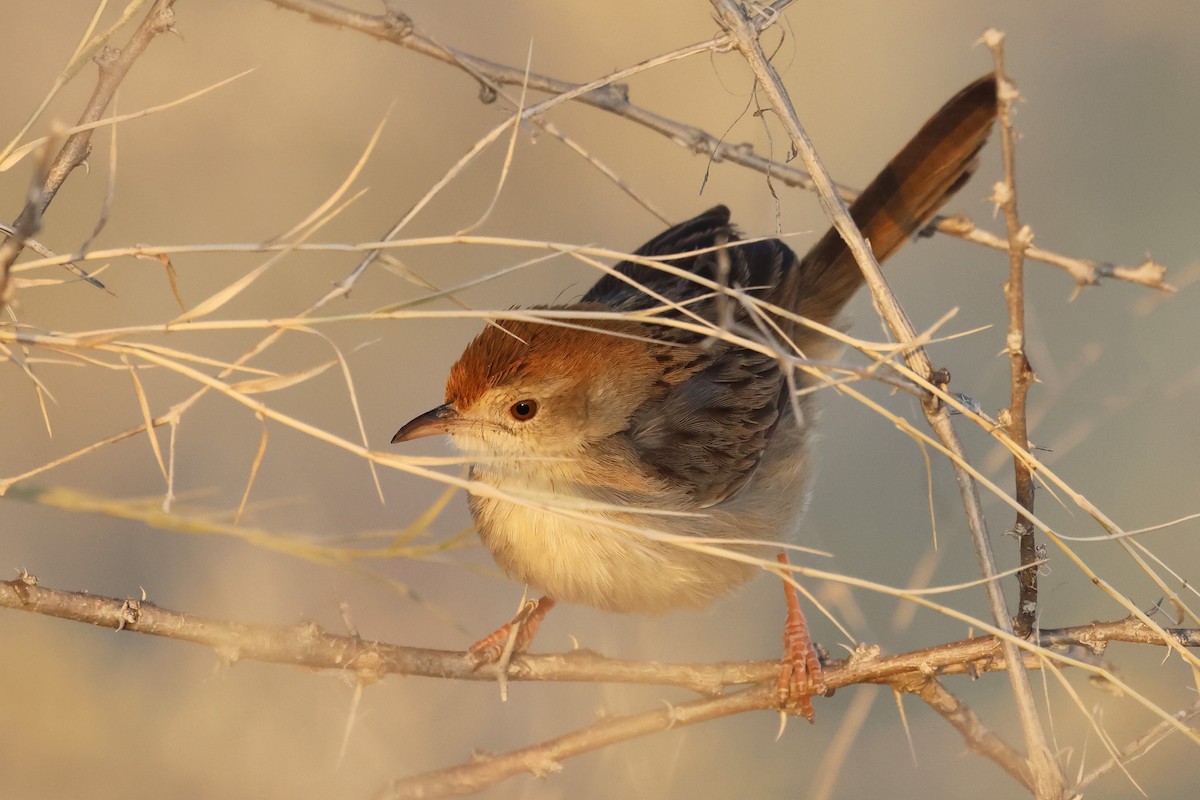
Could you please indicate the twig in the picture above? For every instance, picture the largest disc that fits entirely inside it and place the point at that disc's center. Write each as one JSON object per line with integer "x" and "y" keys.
{"x": 24, "y": 229}
{"x": 543, "y": 759}
{"x": 1137, "y": 747}
{"x": 1020, "y": 372}
{"x": 1084, "y": 272}
{"x": 400, "y": 30}
{"x": 309, "y": 646}
{"x": 114, "y": 64}
{"x": 977, "y": 735}
{"x": 490, "y": 89}
{"x": 1048, "y": 780}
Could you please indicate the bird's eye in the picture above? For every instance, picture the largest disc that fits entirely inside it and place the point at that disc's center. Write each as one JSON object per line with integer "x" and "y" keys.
{"x": 524, "y": 410}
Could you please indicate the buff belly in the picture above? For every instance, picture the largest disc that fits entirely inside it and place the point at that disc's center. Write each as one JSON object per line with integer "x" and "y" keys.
{"x": 596, "y": 564}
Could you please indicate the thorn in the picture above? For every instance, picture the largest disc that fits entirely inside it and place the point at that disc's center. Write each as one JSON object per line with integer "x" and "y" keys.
{"x": 991, "y": 38}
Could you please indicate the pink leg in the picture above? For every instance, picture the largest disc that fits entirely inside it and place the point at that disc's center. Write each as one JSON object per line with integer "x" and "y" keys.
{"x": 800, "y": 676}
{"x": 489, "y": 649}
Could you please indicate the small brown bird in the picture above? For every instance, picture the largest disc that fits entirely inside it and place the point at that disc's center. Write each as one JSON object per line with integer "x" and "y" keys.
{"x": 606, "y": 428}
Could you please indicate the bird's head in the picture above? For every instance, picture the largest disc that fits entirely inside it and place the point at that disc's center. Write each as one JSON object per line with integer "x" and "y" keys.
{"x": 530, "y": 389}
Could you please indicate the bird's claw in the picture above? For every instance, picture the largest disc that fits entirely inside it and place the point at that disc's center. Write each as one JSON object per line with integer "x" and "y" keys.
{"x": 800, "y": 674}
{"x": 800, "y": 679}
{"x": 521, "y": 629}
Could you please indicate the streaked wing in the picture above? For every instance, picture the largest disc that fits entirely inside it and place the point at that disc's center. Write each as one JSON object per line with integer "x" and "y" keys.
{"x": 751, "y": 264}
{"x": 719, "y": 404}
{"x": 708, "y": 431}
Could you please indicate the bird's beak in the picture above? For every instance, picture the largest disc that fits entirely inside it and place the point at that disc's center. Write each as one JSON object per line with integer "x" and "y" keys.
{"x": 440, "y": 420}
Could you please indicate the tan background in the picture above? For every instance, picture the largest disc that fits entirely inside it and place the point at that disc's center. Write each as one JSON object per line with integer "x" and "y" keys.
{"x": 1108, "y": 170}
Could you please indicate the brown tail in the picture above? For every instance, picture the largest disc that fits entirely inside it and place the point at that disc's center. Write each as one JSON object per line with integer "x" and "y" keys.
{"x": 901, "y": 200}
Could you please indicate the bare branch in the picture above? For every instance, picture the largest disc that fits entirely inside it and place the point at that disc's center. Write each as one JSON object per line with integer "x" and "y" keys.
{"x": 399, "y": 29}
{"x": 544, "y": 758}
{"x": 310, "y": 646}
{"x": 1021, "y": 375}
{"x": 1137, "y": 747}
{"x": 114, "y": 65}
{"x": 977, "y": 735}
{"x": 1049, "y": 781}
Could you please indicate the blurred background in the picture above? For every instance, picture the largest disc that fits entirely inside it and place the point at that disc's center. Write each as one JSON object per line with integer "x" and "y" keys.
{"x": 1107, "y": 170}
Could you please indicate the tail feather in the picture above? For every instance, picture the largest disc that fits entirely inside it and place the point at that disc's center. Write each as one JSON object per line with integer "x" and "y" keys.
{"x": 900, "y": 201}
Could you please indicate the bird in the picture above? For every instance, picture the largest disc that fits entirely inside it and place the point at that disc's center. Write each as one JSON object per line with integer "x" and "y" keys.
{"x": 629, "y": 462}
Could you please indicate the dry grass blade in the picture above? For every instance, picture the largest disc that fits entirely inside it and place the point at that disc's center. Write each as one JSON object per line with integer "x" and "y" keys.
{"x": 508, "y": 154}
{"x": 481, "y": 145}
{"x": 348, "y": 378}
{"x": 21, "y": 359}
{"x": 1097, "y": 728}
{"x": 1184, "y": 610}
{"x": 19, "y": 356}
{"x": 1136, "y": 748}
{"x": 422, "y": 521}
{"x": 1129, "y": 534}
{"x": 16, "y": 154}
{"x": 85, "y": 42}
{"x": 6, "y": 484}
{"x": 110, "y": 192}
{"x": 223, "y": 296}
{"x": 88, "y": 46}
{"x": 147, "y": 417}
{"x": 173, "y": 282}
{"x": 340, "y": 191}
{"x": 275, "y": 383}
{"x": 255, "y": 465}
{"x": 1124, "y": 600}
{"x": 149, "y": 512}
{"x": 605, "y": 170}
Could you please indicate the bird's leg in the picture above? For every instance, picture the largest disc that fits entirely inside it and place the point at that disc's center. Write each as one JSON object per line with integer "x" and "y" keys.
{"x": 490, "y": 648}
{"x": 800, "y": 675}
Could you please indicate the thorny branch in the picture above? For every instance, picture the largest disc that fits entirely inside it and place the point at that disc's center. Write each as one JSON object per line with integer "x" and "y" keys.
{"x": 399, "y": 29}
{"x": 309, "y": 646}
{"x": 977, "y": 735}
{"x": 114, "y": 65}
{"x": 1021, "y": 375}
{"x": 1047, "y": 780}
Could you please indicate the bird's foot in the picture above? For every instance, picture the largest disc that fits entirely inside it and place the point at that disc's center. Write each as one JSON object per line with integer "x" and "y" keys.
{"x": 800, "y": 678}
{"x": 520, "y": 630}
{"x": 800, "y": 674}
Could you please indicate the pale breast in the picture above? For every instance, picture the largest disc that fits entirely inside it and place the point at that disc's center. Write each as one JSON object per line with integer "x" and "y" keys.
{"x": 590, "y": 561}
{"x": 599, "y": 558}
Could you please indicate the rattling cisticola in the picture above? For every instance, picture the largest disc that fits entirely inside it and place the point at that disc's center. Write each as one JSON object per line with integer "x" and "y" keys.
{"x": 592, "y": 431}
